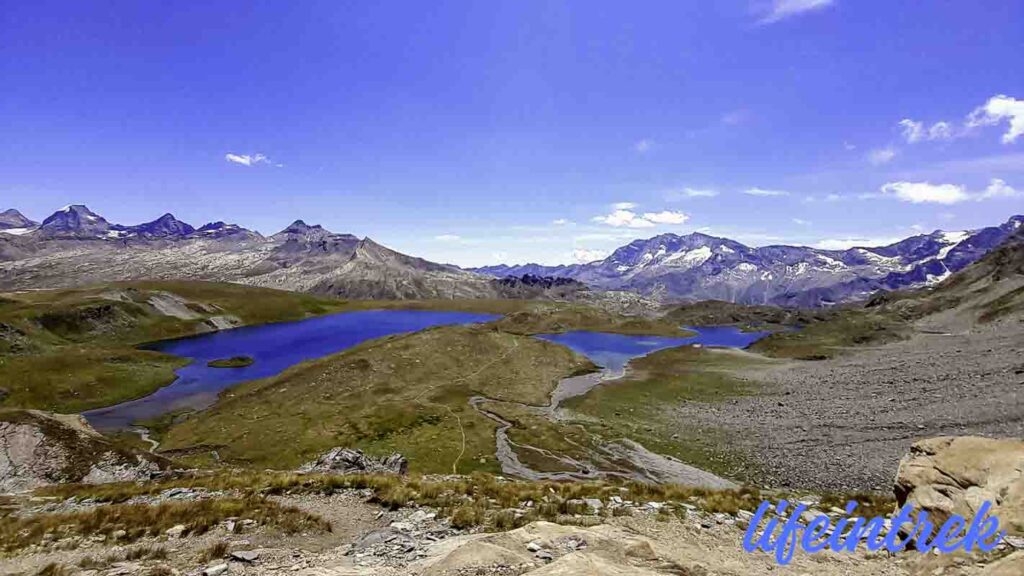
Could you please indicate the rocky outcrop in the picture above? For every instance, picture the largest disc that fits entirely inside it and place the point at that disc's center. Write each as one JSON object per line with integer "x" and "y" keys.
{"x": 348, "y": 461}
{"x": 40, "y": 448}
{"x": 955, "y": 475}
{"x": 544, "y": 548}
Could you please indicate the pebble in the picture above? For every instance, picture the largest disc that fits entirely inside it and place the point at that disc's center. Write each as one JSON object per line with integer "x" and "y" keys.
{"x": 215, "y": 570}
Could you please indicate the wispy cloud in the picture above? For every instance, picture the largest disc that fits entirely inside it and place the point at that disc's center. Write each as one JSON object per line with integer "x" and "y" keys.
{"x": 826, "y": 198}
{"x": 765, "y": 192}
{"x": 801, "y": 222}
{"x": 736, "y": 117}
{"x": 880, "y": 156}
{"x": 561, "y": 222}
{"x": 585, "y": 255}
{"x": 643, "y": 146}
{"x": 248, "y": 159}
{"x": 924, "y": 192}
{"x": 915, "y": 131}
{"x": 666, "y": 217}
{"x": 675, "y": 195}
{"x": 447, "y": 238}
{"x": 997, "y": 109}
{"x": 999, "y": 189}
{"x": 624, "y": 205}
{"x": 623, "y": 218}
{"x": 782, "y": 9}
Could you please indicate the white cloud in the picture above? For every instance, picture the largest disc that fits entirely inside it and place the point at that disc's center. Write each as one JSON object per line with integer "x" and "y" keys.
{"x": 624, "y": 217}
{"x": 881, "y": 156}
{"x": 448, "y": 238}
{"x": 583, "y": 255}
{"x": 620, "y": 218}
{"x": 699, "y": 193}
{"x": 801, "y": 222}
{"x": 248, "y": 159}
{"x": 782, "y": 9}
{"x": 997, "y": 109}
{"x": 917, "y": 227}
{"x": 847, "y": 243}
{"x": 849, "y": 147}
{"x": 676, "y": 195}
{"x": 561, "y": 222}
{"x": 643, "y": 146}
{"x": 921, "y": 192}
{"x": 998, "y": 189}
{"x": 833, "y": 198}
{"x": 940, "y": 131}
{"x": 666, "y": 217}
{"x": 915, "y": 131}
{"x": 765, "y": 192}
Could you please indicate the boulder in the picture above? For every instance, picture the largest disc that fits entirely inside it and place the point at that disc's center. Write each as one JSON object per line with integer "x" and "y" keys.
{"x": 41, "y": 448}
{"x": 1012, "y": 565}
{"x": 955, "y": 475}
{"x": 348, "y": 461}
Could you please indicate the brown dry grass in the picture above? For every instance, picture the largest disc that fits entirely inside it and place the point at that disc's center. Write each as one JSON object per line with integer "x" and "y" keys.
{"x": 142, "y": 520}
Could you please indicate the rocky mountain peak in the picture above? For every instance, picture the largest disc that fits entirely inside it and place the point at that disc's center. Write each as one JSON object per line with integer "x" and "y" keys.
{"x": 221, "y": 229}
{"x": 12, "y": 219}
{"x": 75, "y": 220}
{"x": 166, "y": 226}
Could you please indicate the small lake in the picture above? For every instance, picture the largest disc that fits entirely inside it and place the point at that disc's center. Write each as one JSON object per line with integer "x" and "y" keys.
{"x": 613, "y": 351}
{"x": 274, "y": 347}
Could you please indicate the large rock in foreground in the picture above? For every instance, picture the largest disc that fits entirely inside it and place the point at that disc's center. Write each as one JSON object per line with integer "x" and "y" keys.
{"x": 40, "y": 448}
{"x": 955, "y": 475}
{"x": 348, "y": 461}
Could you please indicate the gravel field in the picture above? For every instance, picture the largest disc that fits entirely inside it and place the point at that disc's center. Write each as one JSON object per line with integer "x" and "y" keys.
{"x": 843, "y": 423}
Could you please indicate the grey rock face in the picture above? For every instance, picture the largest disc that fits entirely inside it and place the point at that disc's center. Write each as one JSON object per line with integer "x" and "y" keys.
{"x": 40, "y": 448}
{"x": 348, "y": 461}
{"x": 11, "y": 218}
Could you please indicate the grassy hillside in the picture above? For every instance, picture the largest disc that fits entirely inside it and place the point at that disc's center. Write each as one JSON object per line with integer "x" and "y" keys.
{"x": 640, "y": 405}
{"x": 405, "y": 393}
{"x": 72, "y": 350}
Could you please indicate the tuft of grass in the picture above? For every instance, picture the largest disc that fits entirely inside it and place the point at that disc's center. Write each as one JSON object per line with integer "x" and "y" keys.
{"x": 215, "y": 551}
{"x": 140, "y": 520}
{"x": 479, "y": 500}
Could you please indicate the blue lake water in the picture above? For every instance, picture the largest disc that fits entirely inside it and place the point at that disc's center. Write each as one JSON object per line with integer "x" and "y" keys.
{"x": 274, "y": 347}
{"x": 613, "y": 351}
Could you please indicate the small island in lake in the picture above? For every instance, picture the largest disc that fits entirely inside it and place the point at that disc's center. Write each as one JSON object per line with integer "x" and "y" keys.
{"x": 233, "y": 362}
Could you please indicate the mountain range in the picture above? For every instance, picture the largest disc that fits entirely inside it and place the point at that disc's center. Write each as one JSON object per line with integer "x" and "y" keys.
{"x": 701, "y": 267}
{"x": 75, "y": 246}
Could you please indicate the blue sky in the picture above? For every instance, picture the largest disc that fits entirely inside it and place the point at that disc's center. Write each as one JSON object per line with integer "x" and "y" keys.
{"x": 485, "y": 132}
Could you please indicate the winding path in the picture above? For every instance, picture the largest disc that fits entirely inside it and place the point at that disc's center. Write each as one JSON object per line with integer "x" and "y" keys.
{"x": 646, "y": 466}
